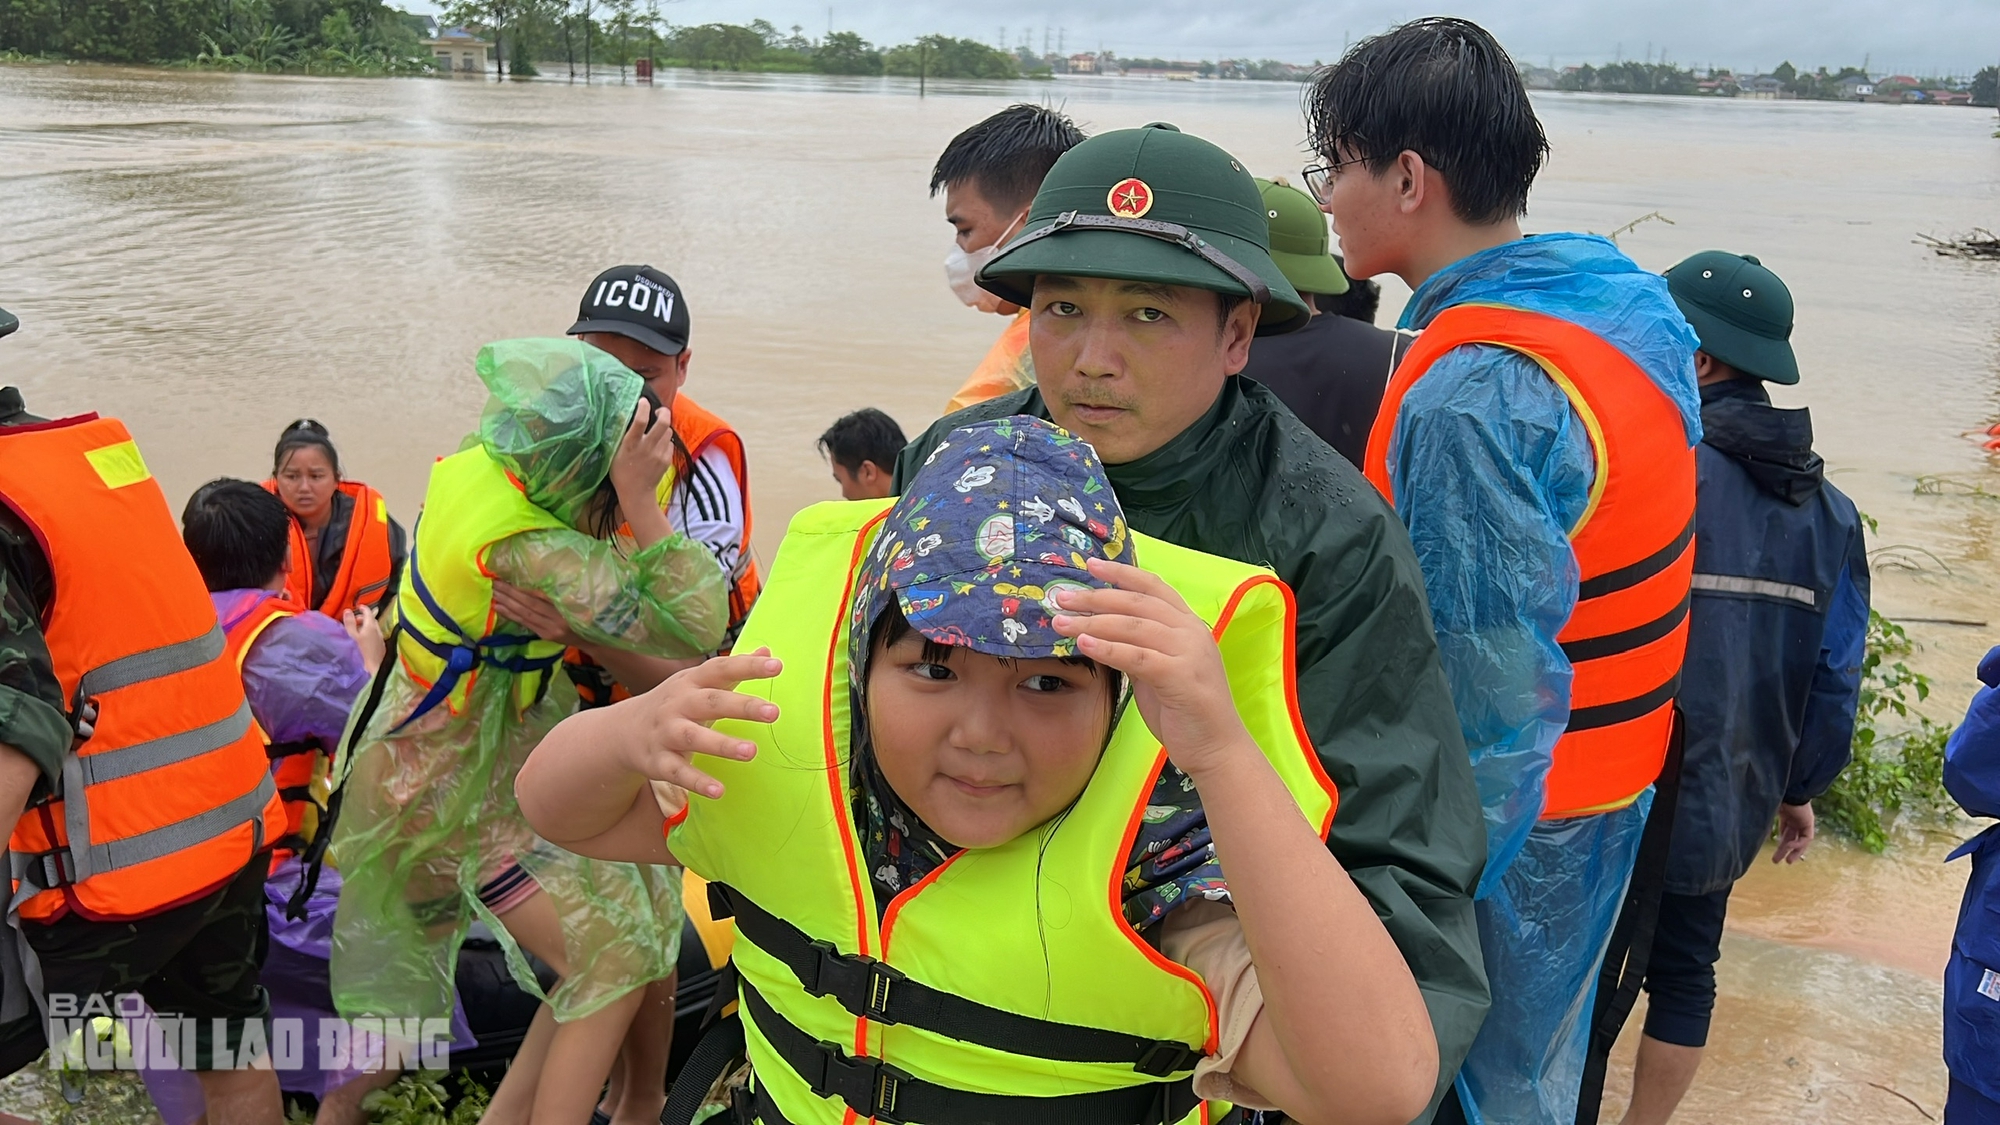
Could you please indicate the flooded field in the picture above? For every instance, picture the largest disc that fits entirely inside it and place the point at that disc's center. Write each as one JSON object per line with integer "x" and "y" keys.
{"x": 212, "y": 256}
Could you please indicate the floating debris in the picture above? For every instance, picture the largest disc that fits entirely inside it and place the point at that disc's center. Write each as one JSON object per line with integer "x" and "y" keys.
{"x": 1931, "y": 485}
{"x": 1980, "y": 244}
{"x": 1646, "y": 218}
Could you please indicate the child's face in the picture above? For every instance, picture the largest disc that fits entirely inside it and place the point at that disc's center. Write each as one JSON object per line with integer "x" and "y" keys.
{"x": 984, "y": 749}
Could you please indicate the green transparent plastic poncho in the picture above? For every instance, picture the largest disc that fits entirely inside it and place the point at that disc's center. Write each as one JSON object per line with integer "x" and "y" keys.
{"x": 430, "y": 811}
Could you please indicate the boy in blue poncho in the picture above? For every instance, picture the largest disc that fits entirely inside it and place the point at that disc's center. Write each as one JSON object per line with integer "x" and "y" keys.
{"x": 1538, "y": 442}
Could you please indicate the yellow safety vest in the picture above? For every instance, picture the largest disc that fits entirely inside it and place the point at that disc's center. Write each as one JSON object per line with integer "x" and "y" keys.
{"x": 1007, "y": 984}
{"x": 446, "y": 606}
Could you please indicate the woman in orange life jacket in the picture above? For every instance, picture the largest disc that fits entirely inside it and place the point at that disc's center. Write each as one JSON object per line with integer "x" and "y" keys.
{"x": 987, "y": 706}
{"x": 347, "y": 552}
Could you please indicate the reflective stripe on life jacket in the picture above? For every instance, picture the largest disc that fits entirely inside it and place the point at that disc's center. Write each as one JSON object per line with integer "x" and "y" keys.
{"x": 365, "y": 559}
{"x": 698, "y": 431}
{"x": 1634, "y": 545}
{"x": 924, "y": 1014}
{"x": 448, "y": 628}
{"x": 296, "y": 767}
{"x": 169, "y": 795}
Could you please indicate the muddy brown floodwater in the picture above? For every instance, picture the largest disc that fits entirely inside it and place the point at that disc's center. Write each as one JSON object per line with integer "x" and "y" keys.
{"x": 212, "y": 256}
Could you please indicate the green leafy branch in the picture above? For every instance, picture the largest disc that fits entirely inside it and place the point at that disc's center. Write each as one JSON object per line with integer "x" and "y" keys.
{"x": 1898, "y": 764}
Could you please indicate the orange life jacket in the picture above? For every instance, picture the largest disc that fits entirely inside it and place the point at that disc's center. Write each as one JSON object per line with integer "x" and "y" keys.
{"x": 1634, "y": 546}
{"x": 1008, "y": 367}
{"x": 169, "y": 796}
{"x": 365, "y": 560}
{"x": 294, "y": 765}
{"x": 698, "y": 431}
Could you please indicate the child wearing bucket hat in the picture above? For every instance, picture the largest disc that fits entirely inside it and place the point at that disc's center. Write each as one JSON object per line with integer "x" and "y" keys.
{"x": 1015, "y": 817}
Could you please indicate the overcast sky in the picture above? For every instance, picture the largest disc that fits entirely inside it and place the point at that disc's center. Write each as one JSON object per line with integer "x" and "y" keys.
{"x": 1942, "y": 36}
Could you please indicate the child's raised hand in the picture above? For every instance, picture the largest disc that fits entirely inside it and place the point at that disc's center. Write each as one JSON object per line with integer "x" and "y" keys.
{"x": 1144, "y": 629}
{"x": 681, "y": 713}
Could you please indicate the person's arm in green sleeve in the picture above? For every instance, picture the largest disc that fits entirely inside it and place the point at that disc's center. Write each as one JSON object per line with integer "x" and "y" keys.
{"x": 35, "y": 734}
{"x": 668, "y": 600}
{"x": 1374, "y": 699}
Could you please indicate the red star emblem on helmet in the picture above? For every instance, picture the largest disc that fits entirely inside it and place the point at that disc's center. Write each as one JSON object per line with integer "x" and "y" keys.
{"x": 1129, "y": 198}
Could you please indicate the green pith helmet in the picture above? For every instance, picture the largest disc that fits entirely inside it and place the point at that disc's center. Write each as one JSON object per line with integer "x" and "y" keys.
{"x": 1741, "y": 311}
{"x": 1299, "y": 240}
{"x": 1153, "y": 205}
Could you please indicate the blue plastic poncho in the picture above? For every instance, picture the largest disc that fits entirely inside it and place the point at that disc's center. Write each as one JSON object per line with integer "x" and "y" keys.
{"x": 1491, "y": 468}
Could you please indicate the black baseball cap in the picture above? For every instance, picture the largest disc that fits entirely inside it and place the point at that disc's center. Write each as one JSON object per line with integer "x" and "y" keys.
{"x": 639, "y": 303}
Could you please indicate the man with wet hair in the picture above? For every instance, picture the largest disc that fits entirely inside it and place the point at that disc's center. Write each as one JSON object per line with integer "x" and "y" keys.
{"x": 989, "y": 175}
{"x": 862, "y": 447}
{"x": 1538, "y": 442}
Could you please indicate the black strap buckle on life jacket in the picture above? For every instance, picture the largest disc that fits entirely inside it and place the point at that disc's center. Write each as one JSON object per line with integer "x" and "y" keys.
{"x": 869, "y": 989}
{"x": 873, "y": 1088}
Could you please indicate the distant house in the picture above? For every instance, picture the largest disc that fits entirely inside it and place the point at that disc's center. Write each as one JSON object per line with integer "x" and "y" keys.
{"x": 1897, "y": 81}
{"x": 1856, "y": 86}
{"x": 1763, "y": 86}
{"x": 460, "y": 51}
{"x": 1083, "y": 64}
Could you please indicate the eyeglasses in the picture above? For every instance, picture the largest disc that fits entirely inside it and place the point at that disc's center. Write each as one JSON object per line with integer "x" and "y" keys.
{"x": 1319, "y": 178}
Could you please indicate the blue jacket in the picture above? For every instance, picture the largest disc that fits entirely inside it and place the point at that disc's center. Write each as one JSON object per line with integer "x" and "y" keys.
{"x": 1776, "y": 630}
{"x": 1972, "y": 976}
{"x": 1492, "y": 468}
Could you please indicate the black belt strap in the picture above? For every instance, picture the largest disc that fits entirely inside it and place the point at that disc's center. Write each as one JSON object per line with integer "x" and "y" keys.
{"x": 277, "y": 750}
{"x": 718, "y": 1052}
{"x": 871, "y": 990}
{"x": 873, "y": 1088}
{"x": 1631, "y": 948}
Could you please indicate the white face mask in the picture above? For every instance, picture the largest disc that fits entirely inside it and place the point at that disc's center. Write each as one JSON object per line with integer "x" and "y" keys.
{"x": 961, "y": 270}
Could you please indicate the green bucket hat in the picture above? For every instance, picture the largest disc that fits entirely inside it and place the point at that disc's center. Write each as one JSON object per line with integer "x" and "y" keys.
{"x": 1299, "y": 242}
{"x": 1741, "y": 311}
{"x": 1153, "y": 205}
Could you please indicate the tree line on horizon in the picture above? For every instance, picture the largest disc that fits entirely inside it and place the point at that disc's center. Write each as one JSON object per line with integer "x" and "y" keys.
{"x": 1819, "y": 84}
{"x": 370, "y": 37}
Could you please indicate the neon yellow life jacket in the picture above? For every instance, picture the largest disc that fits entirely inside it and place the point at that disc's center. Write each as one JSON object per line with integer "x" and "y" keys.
{"x": 446, "y": 606}
{"x": 1007, "y": 984}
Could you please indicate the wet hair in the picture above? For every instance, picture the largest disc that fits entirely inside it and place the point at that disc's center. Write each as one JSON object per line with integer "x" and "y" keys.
{"x": 865, "y": 435}
{"x": 299, "y": 435}
{"x": 1445, "y": 89}
{"x": 237, "y": 532}
{"x": 1007, "y": 155}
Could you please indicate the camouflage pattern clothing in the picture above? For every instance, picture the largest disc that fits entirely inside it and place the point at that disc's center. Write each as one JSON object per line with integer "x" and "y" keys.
{"x": 32, "y": 720}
